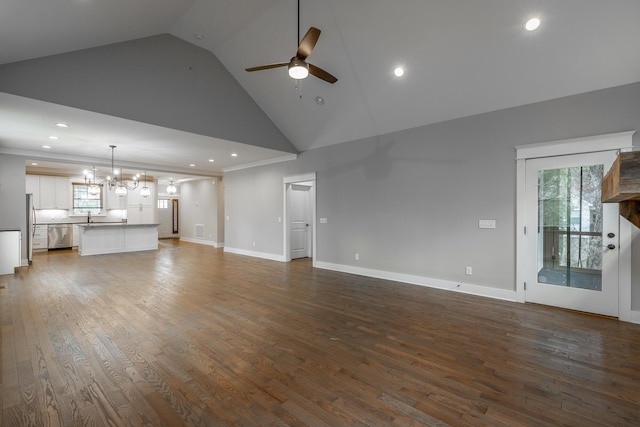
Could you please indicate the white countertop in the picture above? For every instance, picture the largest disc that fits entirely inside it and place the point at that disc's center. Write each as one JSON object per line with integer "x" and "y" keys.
{"x": 113, "y": 224}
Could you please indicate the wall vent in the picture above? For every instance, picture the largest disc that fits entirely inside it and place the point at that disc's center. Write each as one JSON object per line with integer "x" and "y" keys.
{"x": 199, "y": 228}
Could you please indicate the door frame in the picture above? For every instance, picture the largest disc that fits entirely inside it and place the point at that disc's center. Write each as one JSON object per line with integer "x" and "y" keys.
{"x": 286, "y": 181}
{"x": 622, "y": 141}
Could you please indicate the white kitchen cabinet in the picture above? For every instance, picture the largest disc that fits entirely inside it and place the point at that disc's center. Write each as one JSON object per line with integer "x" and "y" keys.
{"x": 141, "y": 214}
{"x": 142, "y": 210}
{"x": 76, "y": 235}
{"x": 63, "y": 193}
{"x": 112, "y": 200}
{"x": 10, "y": 250}
{"x": 55, "y": 192}
{"x": 33, "y": 187}
{"x": 40, "y": 237}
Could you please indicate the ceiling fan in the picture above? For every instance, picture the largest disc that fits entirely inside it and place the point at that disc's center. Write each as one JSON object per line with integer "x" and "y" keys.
{"x": 298, "y": 67}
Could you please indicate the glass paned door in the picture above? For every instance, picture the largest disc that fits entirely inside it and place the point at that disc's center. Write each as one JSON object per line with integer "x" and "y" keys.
{"x": 570, "y": 225}
{"x": 572, "y": 255}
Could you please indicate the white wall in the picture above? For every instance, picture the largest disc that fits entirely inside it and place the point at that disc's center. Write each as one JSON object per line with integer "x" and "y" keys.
{"x": 409, "y": 202}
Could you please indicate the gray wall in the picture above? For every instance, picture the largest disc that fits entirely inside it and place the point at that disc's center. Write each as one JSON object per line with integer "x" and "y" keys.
{"x": 13, "y": 212}
{"x": 199, "y": 205}
{"x": 161, "y": 80}
{"x": 221, "y": 211}
{"x": 409, "y": 202}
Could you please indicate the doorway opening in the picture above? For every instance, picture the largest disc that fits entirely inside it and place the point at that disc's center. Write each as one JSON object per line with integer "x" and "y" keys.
{"x": 299, "y": 218}
{"x": 168, "y": 218}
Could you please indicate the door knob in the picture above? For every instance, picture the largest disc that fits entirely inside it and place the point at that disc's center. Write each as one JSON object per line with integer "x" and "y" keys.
{"x": 611, "y": 235}
{"x": 611, "y": 246}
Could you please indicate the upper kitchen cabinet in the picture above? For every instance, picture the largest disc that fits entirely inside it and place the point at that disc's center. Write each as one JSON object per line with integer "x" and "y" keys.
{"x": 55, "y": 192}
{"x": 113, "y": 200}
{"x": 33, "y": 187}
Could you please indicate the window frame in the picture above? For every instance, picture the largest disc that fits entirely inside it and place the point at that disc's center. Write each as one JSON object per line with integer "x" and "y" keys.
{"x": 83, "y": 210}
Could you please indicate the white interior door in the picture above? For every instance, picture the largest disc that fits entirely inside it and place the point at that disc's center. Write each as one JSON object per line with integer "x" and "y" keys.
{"x": 165, "y": 219}
{"x": 299, "y": 221}
{"x": 572, "y": 238}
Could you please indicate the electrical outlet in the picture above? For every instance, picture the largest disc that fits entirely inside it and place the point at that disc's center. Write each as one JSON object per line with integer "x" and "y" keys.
{"x": 468, "y": 271}
{"x": 254, "y": 244}
{"x": 357, "y": 256}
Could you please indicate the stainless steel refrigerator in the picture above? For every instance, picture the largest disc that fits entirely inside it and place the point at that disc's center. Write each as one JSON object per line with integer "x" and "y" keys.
{"x": 31, "y": 219}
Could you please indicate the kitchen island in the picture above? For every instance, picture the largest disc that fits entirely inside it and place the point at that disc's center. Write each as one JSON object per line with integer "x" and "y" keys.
{"x": 109, "y": 238}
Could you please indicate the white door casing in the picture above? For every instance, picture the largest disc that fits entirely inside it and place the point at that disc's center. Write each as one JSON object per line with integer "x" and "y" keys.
{"x": 299, "y": 223}
{"x": 309, "y": 180}
{"x": 622, "y": 141}
{"x": 568, "y": 285}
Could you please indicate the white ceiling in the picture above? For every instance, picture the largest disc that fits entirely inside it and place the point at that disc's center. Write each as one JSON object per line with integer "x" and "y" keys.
{"x": 462, "y": 57}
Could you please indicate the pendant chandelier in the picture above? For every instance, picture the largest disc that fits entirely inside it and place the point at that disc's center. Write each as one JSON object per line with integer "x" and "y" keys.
{"x": 122, "y": 186}
{"x": 116, "y": 180}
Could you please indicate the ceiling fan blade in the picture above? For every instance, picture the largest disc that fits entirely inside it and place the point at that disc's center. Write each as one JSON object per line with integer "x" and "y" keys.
{"x": 321, "y": 74}
{"x": 308, "y": 43}
{"x": 267, "y": 67}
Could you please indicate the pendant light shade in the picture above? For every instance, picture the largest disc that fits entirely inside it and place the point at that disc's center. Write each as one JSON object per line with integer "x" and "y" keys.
{"x": 144, "y": 191}
{"x": 171, "y": 189}
{"x": 121, "y": 190}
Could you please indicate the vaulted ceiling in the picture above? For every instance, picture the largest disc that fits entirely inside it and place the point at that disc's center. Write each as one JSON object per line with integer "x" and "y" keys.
{"x": 461, "y": 57}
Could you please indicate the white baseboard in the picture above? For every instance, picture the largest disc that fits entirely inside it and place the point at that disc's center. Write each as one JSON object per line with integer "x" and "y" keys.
{"x": 264, "y": 255}
{"x": 202, "y": 242}
{"x": 467, "y": 288}
{"x": 635, "y": 317}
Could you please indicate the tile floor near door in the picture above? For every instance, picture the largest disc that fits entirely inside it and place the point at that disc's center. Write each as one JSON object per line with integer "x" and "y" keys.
{"x": 189, "y": 335}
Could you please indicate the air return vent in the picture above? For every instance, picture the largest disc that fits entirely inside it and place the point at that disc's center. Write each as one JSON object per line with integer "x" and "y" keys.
{"x": 199, "y": 228}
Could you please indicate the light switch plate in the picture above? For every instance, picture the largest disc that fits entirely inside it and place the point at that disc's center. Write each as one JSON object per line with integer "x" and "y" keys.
{"x": 487, "y": 223}
{"x": 323, "y": 220}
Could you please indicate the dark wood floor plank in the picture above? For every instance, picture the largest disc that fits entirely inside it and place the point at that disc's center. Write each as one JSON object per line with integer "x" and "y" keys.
{"x": 189, "y": 335}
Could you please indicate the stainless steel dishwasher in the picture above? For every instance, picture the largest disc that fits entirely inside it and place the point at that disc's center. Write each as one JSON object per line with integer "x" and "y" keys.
{"x": 60, "y": 236}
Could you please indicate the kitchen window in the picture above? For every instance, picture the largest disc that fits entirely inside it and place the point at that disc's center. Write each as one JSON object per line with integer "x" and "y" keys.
{"x": 84, "y": 202}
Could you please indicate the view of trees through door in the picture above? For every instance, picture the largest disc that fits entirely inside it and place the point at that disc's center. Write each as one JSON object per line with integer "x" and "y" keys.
{"x": 570, "y": 223}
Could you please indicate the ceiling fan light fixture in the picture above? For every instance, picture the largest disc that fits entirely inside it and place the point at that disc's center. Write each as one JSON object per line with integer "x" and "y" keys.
{"x": 532, "y": 24}
{"x": 298, "y": 69}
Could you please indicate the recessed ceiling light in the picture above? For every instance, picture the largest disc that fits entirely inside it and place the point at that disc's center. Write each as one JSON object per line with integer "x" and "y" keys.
{"x": 399, "y": 72}
{"x": 46, "y": 146}
{"x": 211, "y": 160}
{"x": 192, "y": 165}
{"x": 319, "y": 100}
{"x": 53, "y": 137}
{"x": 62, "y": 125}
{"x": 234, "y": 154}
{"x": 532, "y": 24}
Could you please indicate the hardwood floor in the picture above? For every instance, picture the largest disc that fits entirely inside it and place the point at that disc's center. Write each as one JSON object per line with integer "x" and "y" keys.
{"x": 189, "y": 335}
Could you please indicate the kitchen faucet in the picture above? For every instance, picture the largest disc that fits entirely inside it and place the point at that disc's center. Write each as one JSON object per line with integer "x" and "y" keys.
{"x": 88, "y": 216}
